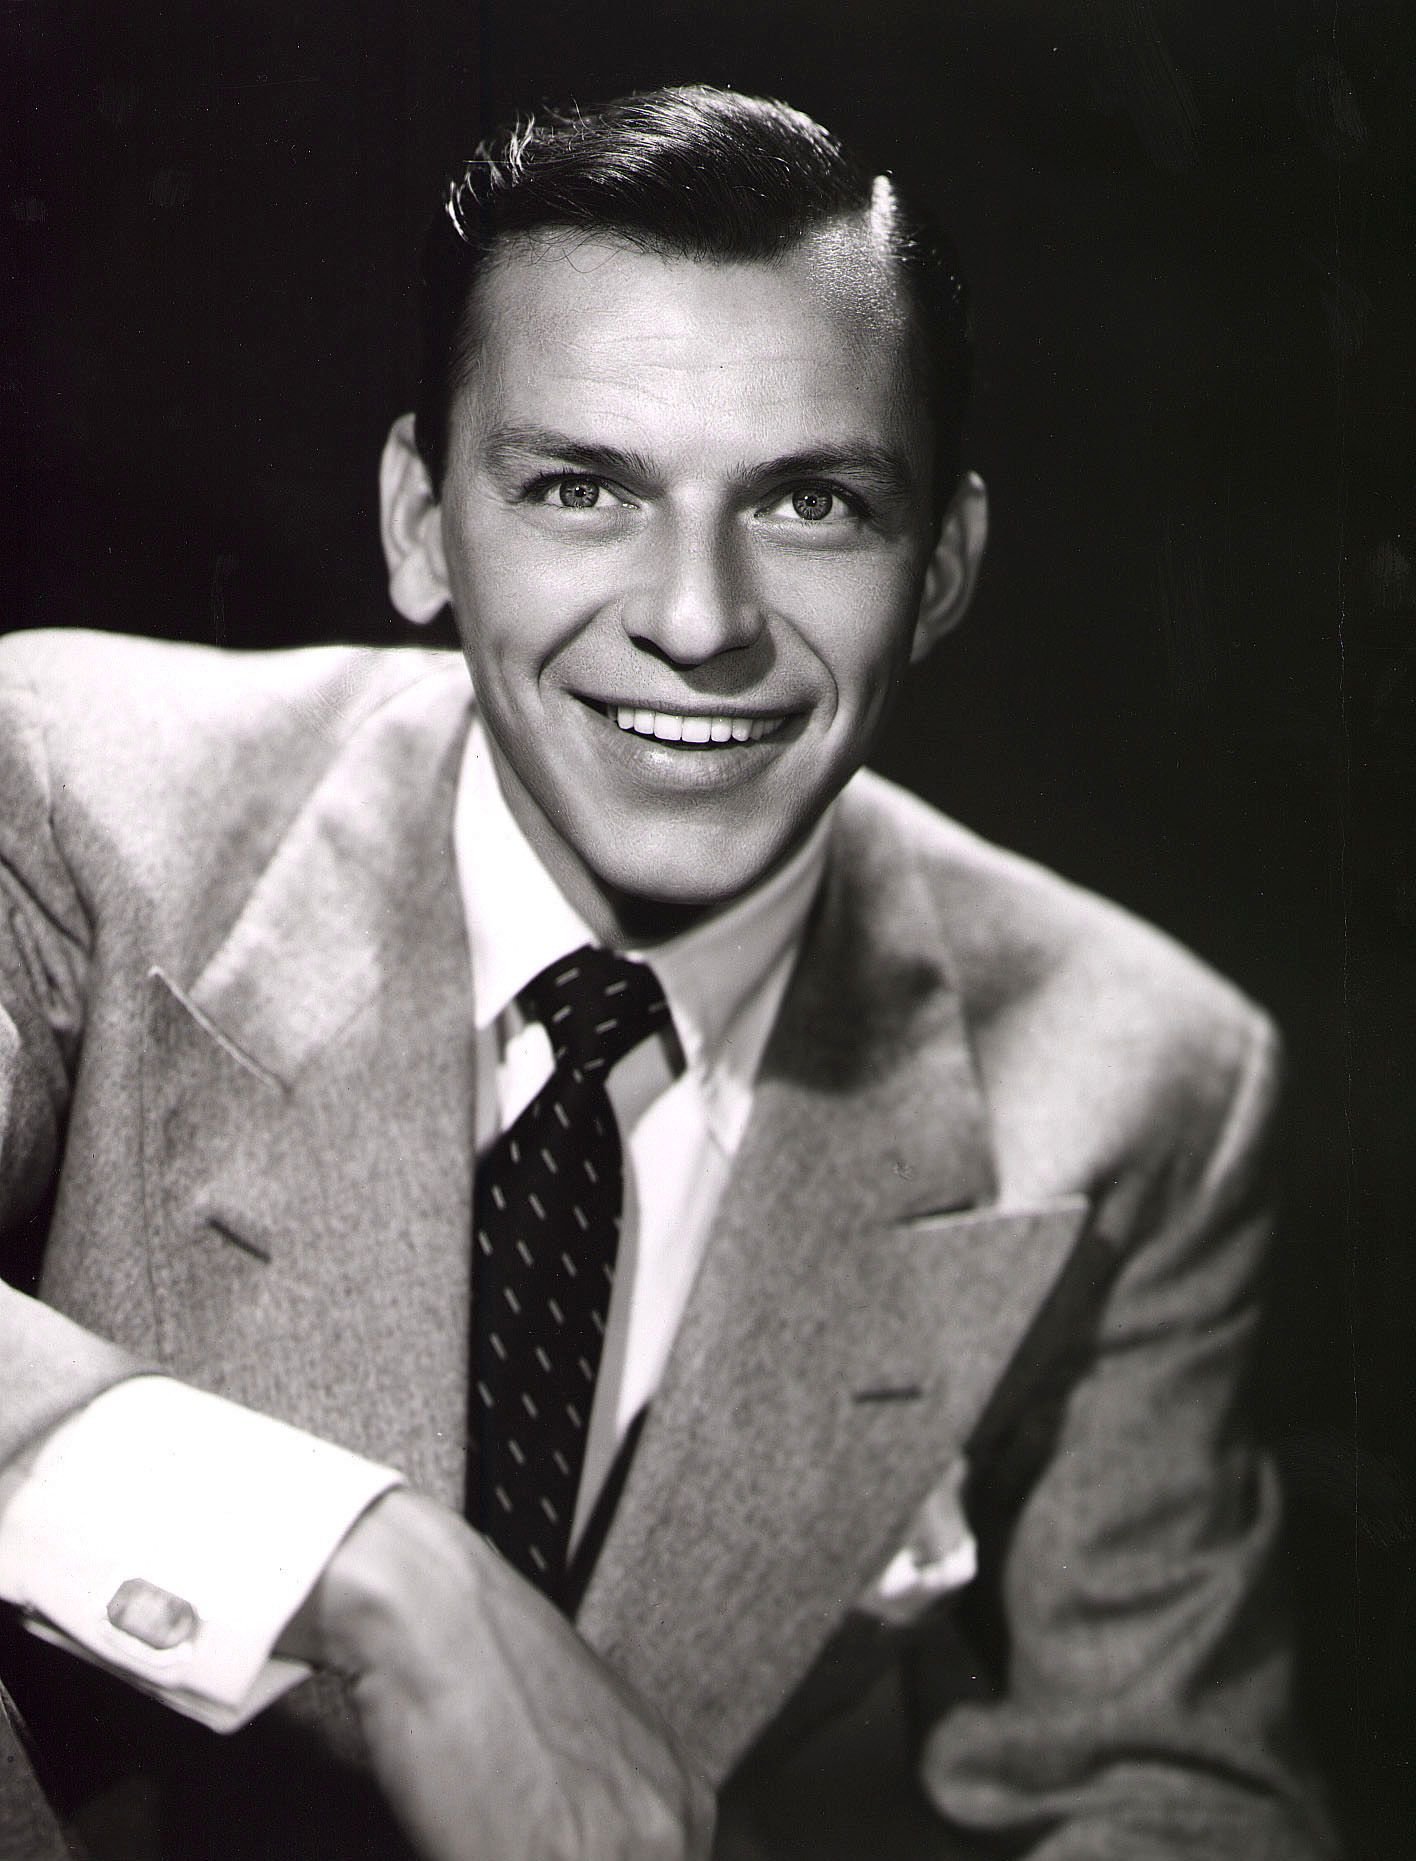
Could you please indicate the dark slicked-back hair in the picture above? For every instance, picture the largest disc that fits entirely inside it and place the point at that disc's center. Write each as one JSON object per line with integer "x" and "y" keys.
{"x": 688, "y": 172}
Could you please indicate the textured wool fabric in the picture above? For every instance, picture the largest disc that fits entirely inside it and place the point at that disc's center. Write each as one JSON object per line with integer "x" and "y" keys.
{"x": 235, "y": 968}
{"x": 547, "y": 1208}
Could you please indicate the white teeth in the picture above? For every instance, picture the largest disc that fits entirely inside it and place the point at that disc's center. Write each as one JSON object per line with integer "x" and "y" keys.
{"x": 676, "y": 727}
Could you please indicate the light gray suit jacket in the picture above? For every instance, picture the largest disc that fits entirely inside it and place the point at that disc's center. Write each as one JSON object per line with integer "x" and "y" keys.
{"x": 1001, "y": 1193}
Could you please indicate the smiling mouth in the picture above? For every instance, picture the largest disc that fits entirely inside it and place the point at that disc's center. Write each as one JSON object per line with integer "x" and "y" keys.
{"x": 696, "y": 729}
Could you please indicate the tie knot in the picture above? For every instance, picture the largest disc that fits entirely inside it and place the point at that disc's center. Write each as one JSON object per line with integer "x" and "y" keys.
{"x": 595, "y": 1006}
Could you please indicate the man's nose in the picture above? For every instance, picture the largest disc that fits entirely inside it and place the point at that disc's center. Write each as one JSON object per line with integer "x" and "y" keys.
{"x": 697, "y": 600}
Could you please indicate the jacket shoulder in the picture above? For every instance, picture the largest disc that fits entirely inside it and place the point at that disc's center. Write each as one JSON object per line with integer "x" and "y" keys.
{"x": 127, "y": 727}
{"x": 103, "y": 688}
{"x": 1094, "y": 1032}
{"x": 132, "y": 766}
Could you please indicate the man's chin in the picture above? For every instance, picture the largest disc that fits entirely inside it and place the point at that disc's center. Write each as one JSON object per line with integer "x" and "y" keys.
{"x": 655, "y": 916}
{"x": 655, "y": 899}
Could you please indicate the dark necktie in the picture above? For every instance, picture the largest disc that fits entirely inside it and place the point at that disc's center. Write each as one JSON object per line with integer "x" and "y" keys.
{"x": 548, "y": 1201}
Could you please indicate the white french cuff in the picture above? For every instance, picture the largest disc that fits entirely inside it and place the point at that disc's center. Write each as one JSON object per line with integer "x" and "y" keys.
{"x": 169, "y": 1535}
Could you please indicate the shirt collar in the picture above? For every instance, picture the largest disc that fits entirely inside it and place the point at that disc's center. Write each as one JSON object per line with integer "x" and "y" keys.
{"x": 713, "y": 976}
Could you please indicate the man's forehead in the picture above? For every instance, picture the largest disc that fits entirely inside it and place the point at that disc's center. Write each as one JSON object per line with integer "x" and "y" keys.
{"x": 829, "y": 317}
{"x": 574, "y": 287}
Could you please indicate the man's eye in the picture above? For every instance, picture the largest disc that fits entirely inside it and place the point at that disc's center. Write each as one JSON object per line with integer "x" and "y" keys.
{"x": 578, "y": 493}
{"x": 814, "y": 503}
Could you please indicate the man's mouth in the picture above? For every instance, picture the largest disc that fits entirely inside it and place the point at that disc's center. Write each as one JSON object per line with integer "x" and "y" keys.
{"x": 696, "y": 727}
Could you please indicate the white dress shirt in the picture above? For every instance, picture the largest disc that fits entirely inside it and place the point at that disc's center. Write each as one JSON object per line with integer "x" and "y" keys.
{"x": 230, "y": 1515}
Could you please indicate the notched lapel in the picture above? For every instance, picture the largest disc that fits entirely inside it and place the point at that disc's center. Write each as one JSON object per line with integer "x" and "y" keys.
{"x": 308, "y": 1114}
{"x": 212, "y": 1120}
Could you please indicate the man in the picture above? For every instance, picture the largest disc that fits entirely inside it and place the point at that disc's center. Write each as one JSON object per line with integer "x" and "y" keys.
{"x": 898, "y": 1207}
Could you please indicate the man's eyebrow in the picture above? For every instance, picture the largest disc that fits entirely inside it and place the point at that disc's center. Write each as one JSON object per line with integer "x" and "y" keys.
{"x": 508, "y": 446}
{"x": 887, "y": 472}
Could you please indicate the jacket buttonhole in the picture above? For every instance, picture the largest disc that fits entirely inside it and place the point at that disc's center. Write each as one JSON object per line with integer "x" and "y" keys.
{"x": 889, "y": 1392}
{"x": 255, "y": 1249}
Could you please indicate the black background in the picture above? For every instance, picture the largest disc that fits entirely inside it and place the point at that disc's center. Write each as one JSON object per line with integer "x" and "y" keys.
{"x": 1190, "y": 677}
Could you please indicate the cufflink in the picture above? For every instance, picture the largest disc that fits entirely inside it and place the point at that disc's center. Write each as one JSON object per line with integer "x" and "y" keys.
{"x": 152, "y": 1615}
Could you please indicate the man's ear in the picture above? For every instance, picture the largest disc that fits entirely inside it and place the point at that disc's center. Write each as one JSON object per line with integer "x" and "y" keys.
{"x": 953, "y": 569}
{"x": 410, "y": 523}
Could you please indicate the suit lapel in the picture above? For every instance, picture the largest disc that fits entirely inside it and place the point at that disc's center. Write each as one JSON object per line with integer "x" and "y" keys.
{"x": 308, "y": 1113}
{"x": 852, "y": 1312}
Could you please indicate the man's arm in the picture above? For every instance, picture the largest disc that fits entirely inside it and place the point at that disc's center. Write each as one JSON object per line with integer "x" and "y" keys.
{"x": 492, "y": 1727}
{"x": 99, "y": 1466}
{"x": 495, "y": 1731}
{"x": 1145, "y": 1709}
{"x": 49, "y": 1367}
{"x": 170, "y": 1535}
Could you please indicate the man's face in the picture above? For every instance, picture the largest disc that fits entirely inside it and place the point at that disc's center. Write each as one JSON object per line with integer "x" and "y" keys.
{"x": 685, "y": 523}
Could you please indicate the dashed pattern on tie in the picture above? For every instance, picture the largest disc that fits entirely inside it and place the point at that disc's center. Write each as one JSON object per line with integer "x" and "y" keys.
{"x": 546, "y": 1215}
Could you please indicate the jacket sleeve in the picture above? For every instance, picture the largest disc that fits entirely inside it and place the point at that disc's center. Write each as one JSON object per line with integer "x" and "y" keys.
{"x": 48, "y": 1366}
{"x": 1142, "y": 1713}
{"x": 230, "y": 1512}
